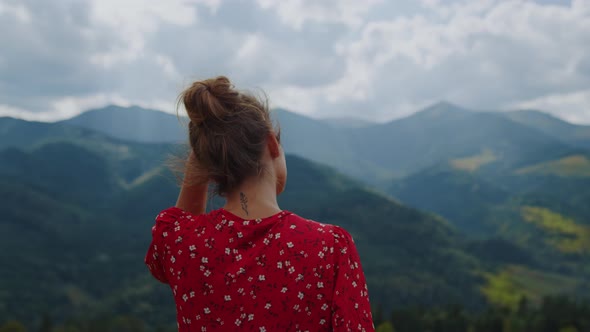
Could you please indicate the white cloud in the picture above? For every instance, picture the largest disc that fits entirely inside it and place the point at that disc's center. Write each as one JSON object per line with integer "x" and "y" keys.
{"x": 296, "y": 13}
{"x": 481, "y": 54}
{"x": 561, "y": 105}
{"x": 18, "y": 11}
{"x": 132, "y": 21}
{"x": 376, "y": 59}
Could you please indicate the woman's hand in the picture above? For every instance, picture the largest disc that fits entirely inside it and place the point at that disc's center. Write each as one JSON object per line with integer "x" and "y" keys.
{"x": 193, "y": 194}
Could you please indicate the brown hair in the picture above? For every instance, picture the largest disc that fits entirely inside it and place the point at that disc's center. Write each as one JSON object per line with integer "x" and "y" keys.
{"x": 228, "y": 130}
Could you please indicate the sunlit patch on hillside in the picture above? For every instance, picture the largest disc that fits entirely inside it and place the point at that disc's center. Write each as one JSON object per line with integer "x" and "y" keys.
{"x": 509, "y": 285}
{"x": 472, "y": 163}
{"x": 571, "y": 166}
{"x": 142, "y": 178}
{"x": 562, "y": 233}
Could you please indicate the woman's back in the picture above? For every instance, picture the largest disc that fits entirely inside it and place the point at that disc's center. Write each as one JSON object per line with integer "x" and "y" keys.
{"x": 281, "y": 273}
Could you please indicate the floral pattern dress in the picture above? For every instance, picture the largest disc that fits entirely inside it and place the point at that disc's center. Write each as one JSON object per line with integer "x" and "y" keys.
{"x": 281, "y": 273}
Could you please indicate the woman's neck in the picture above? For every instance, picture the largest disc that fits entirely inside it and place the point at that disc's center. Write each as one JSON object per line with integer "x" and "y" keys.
{"x": 253, "y": 200}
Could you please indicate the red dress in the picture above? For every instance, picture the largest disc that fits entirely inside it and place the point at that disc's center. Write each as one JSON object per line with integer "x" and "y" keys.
{"x": 281, "y": 273}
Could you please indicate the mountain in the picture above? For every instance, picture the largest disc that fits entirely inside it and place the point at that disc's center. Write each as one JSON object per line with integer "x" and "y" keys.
{"x": 325, "y": 143}
{"x": 374, "y": 153}
{"x": 21, "y": 133}
{"x": 313, "y": 139}
{"x": 71, "y": 221}
{"x": 538, "y": 213}
{"x": 445, "y": 132}
{"x": 77, "y": 205}
{"x": 133, "y": 123}
{"x": 578, "y": 135}
{"x": 461, "y": 197}
{"x": 129, "y": 159}
{"x": 348, "y": 122}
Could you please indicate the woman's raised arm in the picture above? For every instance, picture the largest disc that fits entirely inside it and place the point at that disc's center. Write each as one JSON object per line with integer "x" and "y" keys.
{"x": 193, "y": 193}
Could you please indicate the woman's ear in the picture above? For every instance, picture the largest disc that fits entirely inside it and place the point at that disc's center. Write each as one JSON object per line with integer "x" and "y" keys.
{"x": 274, "y": 147}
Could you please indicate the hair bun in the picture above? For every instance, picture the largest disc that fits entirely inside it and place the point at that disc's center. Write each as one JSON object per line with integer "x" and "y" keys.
{"x": 209, "y": 99}
{"x": 228, "y": 132}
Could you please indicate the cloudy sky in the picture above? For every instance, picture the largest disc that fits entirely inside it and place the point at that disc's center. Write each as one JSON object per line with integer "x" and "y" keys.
{"x": 371, "y": 59}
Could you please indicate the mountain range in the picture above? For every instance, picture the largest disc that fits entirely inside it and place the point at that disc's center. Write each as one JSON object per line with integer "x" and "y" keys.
{"x": 377, "y": 153}
{"x": 446, "y": 206}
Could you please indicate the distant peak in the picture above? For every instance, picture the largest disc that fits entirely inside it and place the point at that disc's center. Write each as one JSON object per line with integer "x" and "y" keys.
{"x": 130, "y": 108}
{"x": 441, "y": 108}
{"x": 444, "y": 105}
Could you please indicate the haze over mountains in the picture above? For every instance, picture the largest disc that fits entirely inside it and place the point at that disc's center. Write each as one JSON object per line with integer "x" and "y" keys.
{"x": 447, "y": 205}
{"x": 377, "y": 152}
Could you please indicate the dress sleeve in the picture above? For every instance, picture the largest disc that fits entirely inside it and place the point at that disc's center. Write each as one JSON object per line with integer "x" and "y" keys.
{"x": 156, "y": 251}
{"x": 351, "y": 310}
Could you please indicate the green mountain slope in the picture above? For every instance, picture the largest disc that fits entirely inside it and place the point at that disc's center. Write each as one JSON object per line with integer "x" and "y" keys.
{"x": 534, "y": 219}
{"x": 21, "y": 133}
{"x": 461, "y": 197}
{"x": 445, "y": 132}
{"x": 133, "y": 124}
{"x": 373, "y": 153}
{"x": 68, "y": 215}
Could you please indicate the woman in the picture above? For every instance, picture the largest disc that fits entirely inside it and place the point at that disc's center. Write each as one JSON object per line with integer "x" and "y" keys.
{"x": 250, "y": 265}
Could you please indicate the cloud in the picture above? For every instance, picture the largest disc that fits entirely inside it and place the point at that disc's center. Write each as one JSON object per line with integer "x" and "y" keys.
{"x": 377, "y": 59}
{"x": 482, "y": 55}
{"x": 296, "y": 13}
{"x": 562, "y": 105}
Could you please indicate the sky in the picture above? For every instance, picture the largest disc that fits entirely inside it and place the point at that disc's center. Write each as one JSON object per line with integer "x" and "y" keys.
{"x": 368, "y": 59}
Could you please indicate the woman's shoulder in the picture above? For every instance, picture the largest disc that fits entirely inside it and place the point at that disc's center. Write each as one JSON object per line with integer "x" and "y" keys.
{"x": 171, "y": 215}
{"x": 175, "y": 214}
{"x": 300, "y": 224}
